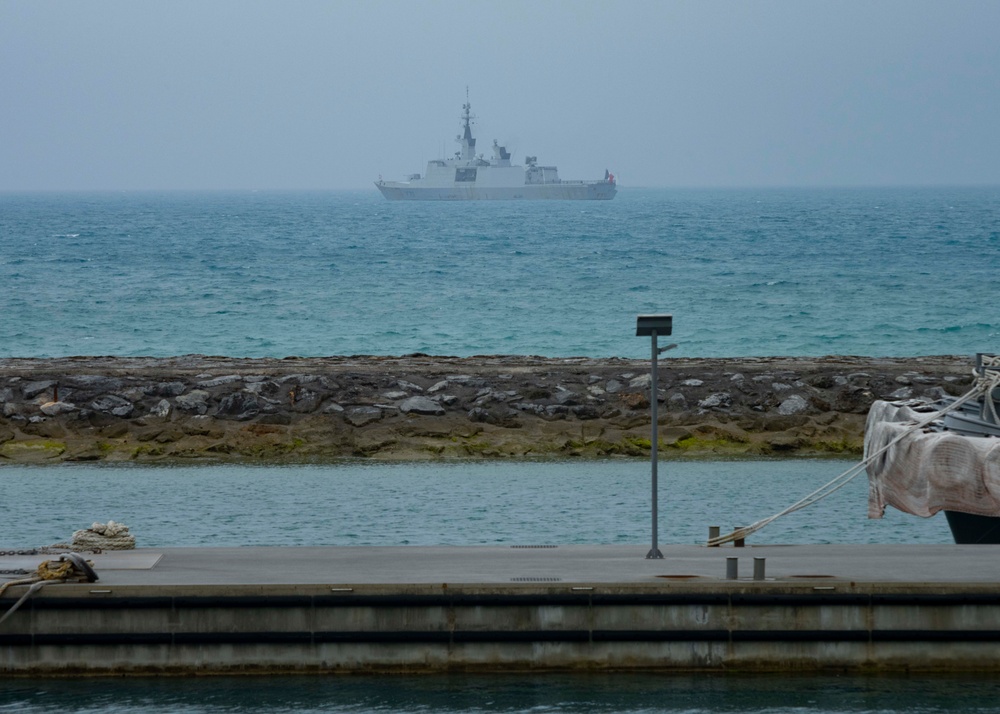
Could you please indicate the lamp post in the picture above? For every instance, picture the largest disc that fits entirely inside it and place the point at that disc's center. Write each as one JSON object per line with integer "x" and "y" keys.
{"x": 653, "y": 326}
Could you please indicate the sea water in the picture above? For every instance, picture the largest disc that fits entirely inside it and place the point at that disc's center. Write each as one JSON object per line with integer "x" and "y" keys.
{"x": 876, "y": 272}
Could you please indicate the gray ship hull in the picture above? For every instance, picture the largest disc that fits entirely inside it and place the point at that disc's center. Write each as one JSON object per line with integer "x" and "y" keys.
{"x": 566, "y": 191}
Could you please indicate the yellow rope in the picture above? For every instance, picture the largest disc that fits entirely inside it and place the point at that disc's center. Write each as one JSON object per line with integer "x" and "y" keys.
{"x": 54, "y": 570}
{"x": 47, "y": 572}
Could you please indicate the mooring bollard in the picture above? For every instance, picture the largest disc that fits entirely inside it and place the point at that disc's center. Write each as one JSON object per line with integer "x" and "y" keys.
{"x": 739, "y": 542}
{"x": 758, "y": 568}
{"x": 713, "y": 532}
{"x": 732, "y": 568}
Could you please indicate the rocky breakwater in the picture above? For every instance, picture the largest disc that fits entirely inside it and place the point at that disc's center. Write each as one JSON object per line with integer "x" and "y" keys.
{"x": 194, "y": 407}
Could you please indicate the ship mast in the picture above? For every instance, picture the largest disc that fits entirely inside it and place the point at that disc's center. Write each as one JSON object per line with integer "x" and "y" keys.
{"x": 466, "y": 140}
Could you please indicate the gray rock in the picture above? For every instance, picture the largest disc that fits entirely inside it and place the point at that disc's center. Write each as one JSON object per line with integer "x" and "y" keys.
{"x": 194, "y": 401}
{"x": 219, "y": 381}
{"x": 6, "y": 395}
{"x": 403, "y": 384}
{"x": 692, "y": 383}
{"x": 56, "y": 408}
{"x": 169, "y": 389}
{"x": 239, "y": 406}
{"x": 478, "y": 414}
{"x": 96, "y": 382}
{"x": 916, "y": 378}
{"x": 780, "y": 386}
{"x": 305, "y": 400}
{"x": 568, "y": 398}
{"x": 613, "y": 386}
{"x": 333, "y": 408}
{"x": 33, "y": 389}
{"x": 299, "y": 378}
{"x": 361, "y": 416}
{"x": 438, "y": 387}
{"x": 641, "y": 382}
{"x": 135, "y": 394}
{"x": 262, "y": 387}
{"x": 737, "y": 378}
{"x": 793, "y": 405}
{"x": 484, "y": 396}
{"x": 677, "y": 401}
{"x": 36, "y": 419}
{"x": 719, "y": 400}
{"x": 391, "y": 396}
{"x": 162, "y": 409}
{"x": 421, "y": 405}
{"x": 111, "y": 404}
{"x": 902, "y": 393}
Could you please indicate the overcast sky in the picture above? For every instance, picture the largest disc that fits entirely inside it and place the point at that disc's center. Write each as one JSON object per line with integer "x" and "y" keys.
{"x": 321, "y": 94}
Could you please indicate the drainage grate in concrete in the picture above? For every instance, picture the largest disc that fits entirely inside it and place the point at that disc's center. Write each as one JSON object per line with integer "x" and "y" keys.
{"x": 534, "y": 546}
{"x": 811, "y": 576}
{"x": 535, "y": 580}
{"x": 678, "y": 577}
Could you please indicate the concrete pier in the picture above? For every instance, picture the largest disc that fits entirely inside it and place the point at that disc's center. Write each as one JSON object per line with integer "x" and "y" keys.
{"x": 543, "y": 607}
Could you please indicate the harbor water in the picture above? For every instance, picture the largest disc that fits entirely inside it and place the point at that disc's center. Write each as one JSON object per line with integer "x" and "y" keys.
{"x": 463, "y": 503}
{"x": 616, "y": 693}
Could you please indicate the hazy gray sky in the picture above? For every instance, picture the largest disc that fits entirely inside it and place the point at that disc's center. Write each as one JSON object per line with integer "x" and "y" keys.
{"x": 323, "y": 94}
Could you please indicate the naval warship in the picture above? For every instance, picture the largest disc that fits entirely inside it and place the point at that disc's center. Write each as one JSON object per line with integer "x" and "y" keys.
{"x": 470, "y": 177}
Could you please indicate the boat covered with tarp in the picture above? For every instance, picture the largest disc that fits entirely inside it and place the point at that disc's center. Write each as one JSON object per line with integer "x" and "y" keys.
{"x": 943, "y": 455}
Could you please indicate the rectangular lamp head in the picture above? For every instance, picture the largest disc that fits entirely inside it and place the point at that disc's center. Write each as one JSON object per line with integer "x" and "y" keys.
{"x": 645, "y": 324}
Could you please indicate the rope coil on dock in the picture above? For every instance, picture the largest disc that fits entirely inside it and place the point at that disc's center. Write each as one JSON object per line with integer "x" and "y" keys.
{"x": 100, "y": 537}
{"x": 70, "y": 567}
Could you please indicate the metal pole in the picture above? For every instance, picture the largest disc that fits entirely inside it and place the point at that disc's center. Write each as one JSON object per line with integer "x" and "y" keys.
{"x": 654, "y": 552}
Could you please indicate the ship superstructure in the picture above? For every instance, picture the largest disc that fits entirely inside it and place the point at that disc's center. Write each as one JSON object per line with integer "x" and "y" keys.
{"x": 468, "y": 176}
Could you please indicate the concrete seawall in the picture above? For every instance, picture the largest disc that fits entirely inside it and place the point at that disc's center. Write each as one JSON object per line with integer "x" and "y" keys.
{"x": 215, "y": 611}
{"x": 191, "y": 408}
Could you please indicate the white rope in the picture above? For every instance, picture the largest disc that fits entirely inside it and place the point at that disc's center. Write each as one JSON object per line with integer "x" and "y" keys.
{"x": 985, "y": 382}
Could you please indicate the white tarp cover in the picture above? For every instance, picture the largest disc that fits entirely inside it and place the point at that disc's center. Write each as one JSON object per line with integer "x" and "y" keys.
{"x": 928, "y": 471}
